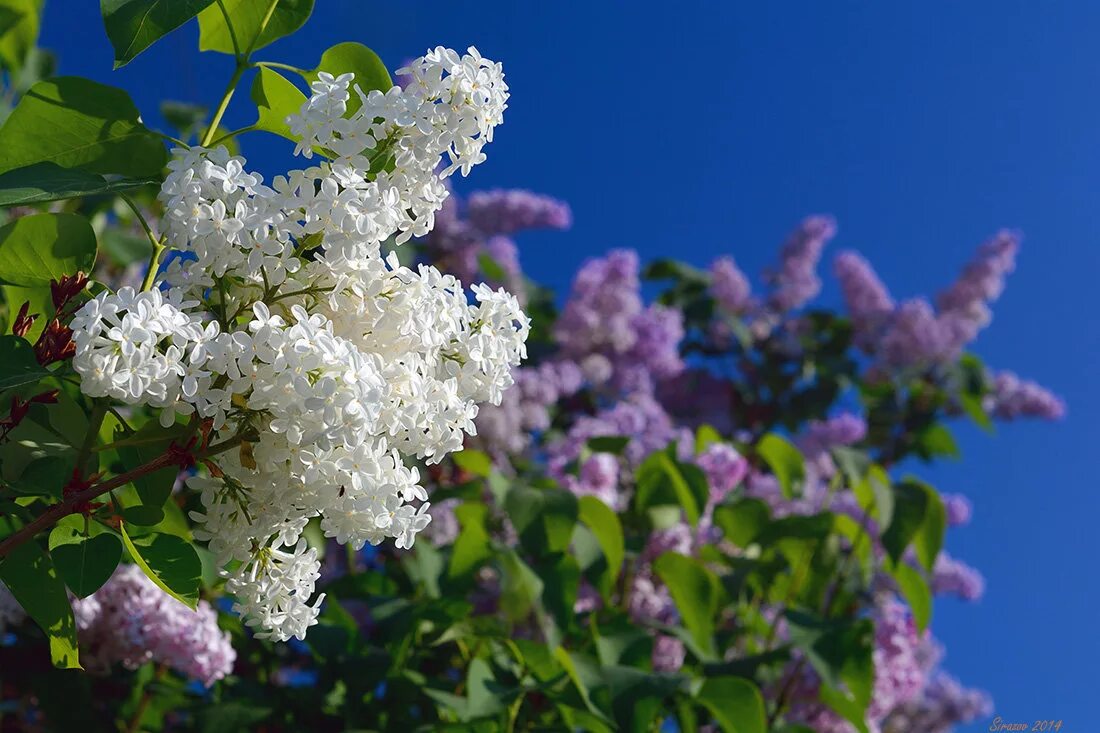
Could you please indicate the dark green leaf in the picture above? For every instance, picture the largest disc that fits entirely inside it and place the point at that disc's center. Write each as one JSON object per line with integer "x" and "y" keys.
{"x": 35, "y": 583}
{"x": 42, "y": 247}
{"x": 41, "y": 182}
{"x": 143, "y": 515}
{"x": 78, "y": 123}
{"x": 916, "y": 593}
{"x": 605, "y": 526}
{"x": 840, "y": 652}
{"x": 471, "y": 548}
{"x": 247, "y": 17}
{"x": 735, "y": 703}
{"x": 134, "y": 25}
{"x": 171, "y": 562}
{"x": 18, "y": 367}
{"x": 918, "y": 517}
{"x": 742, "y": 521}
{"x": 86, "y": 563}
{"x": 697, "y": 593}
{"x": 543, "y": 518}
{"x": 146, "y": 444}
{"x": 614, "y": 444}
{"x": 785, "y": 462}
{"x": 662, "y": 480}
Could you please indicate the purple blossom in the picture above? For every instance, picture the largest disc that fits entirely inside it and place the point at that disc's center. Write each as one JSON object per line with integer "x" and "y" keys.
{"x": 942, "y": 704}
{"x": 981, "y": 283}
{"x": 956, "y": 577}
{"x": 899, "y": 673}
{"x": 524, "y": 409}
{"x": 724, "y": 467}
{"x": 914, "y": 336}
{"x": 821, "y": 435}
{"x": 605, "y": 317}
{"x": 502, "y": 211}
{"x": 130, "y": 620}
{"x": 668, "y": 654}
{"x": 958, "y": 508}
{"x": 729, "y": 286}
{"x": 1011, "y": 398}
{"x": 867, "y": 299}
{"x": 796, "y": 281}
{"x": 638, "y": 417}
{"x": 598, "y": 476}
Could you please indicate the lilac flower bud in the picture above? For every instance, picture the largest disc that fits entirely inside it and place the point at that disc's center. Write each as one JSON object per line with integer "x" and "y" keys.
{"x": 958, "y": 508}
{"x": 956, "y": 577}
{"x": 821, "y": 435}
{"x": 867, "y": 299}
{"x": 796, "y": 280}
{"x": 1012, "y": 398}
{"x": 942, "y": 705}
{"x": 729, "y": 286}
{"x": 982, "y": 280}
{"x": 724, "y": 467}
{"x": 509, "y": 211}
{"x": 668, "y": 654}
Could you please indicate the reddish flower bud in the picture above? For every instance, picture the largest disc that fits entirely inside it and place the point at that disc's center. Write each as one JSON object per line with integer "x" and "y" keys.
{"x": 23, "y": 322}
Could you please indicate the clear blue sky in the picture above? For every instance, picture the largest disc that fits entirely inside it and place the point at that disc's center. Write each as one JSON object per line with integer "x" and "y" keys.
{"x": 695, "y": 129}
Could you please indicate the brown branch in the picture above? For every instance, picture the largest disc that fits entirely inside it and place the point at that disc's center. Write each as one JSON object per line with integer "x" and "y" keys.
{"x": 72, "y": 503}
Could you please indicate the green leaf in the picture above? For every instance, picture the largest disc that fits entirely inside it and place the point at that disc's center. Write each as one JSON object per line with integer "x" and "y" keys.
{"x": 247, "y": 17}
{"x": 134, "y": 25}
{"x": 697, "y": 593}
{"x": 614, "y": 444}
{"x": 147, "y": 443}
{"x": 916, "y": 593}
{"x": 276, "y": 99}
{"x": 704, "y": 437}
{"x": 41, "y": 182}
{"x": 18, "y": 367}
{"x": 42, "y": 247}
{"x": 742, "y": 521}
{"x": 473, "y": 461}
{"x": 86, "y": 563}
{"x": 662, "y": 480}
{"x": 143, "y": 515}
{"x": 605, "y": 526}
{"x": 840, "y": 652}
{"x": 918, "y": 517}
{"x": 78, "y": 123}
{"x": 874, "y": 494}
{"x": 169, "y": 561}
{"x": 35, "y": 583}
{"x": 44, "y": 476}
{"x": 785, "y": 462}
{"x": 471, "y": 548}
{"x": 370, "y": 73}
{"x": 19, "y": 24}
{"x": 543, "y": 518}
{"x": 735, "y": 703}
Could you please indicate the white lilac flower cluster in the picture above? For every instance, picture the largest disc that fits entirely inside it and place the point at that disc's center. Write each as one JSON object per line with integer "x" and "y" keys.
{"x": 283, "y": 321}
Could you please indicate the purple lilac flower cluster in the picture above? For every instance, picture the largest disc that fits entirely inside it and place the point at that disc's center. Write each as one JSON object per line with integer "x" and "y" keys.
{"x": 795, "y": 282}
{"x": 1011, "y": 398}
{"x": 484, "y": 225}
{"x": 607, "y": 329}
{"x": 914, "y": 333}
{"x": 131, "y": 621}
